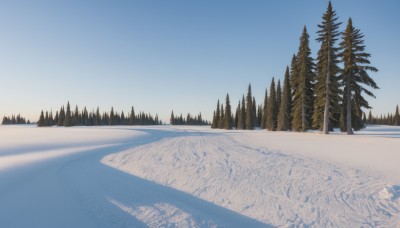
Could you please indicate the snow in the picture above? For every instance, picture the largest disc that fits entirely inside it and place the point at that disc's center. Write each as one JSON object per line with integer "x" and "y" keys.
{"x": 197, "y": 177}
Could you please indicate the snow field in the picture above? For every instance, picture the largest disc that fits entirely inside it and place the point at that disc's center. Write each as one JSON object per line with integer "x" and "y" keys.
{"x": 274, "y": 187}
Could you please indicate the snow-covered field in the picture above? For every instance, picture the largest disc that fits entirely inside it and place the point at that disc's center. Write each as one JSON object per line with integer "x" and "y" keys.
{"x": 197, "y": 177}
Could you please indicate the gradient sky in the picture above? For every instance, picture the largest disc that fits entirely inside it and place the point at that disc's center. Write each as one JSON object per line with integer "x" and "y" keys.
{"x": 164, "y": 55}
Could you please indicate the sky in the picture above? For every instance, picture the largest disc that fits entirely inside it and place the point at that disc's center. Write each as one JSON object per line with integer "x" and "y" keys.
{"x": 160, "y": 56}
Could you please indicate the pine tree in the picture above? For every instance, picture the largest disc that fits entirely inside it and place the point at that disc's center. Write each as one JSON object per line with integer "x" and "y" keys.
{"x": 304, "y": 83}
{"x": 285, "y": 109}
{"x": 221, "y": 118}
{"x": 61, "y": 117}
{"x": 132, "y": 116}
{"x": 68, "y": 117}
{"x": 278, "y": 95}
{"x": 237, "y": 113}
{"x": 242, "y": 115}
{"x": 265, "y": 111}
{"x": 369, "y": 119}
{"x": 41, "y": 122}
{"x": 249, "y": 110}
{"x": 326, "y": 105}
{"x": 228, "y": 114}
{"x": 217, "y": 115}
{"x": 254, "y": 109}
{"x": 111, "y": 121}
{"x": 356, "y": 65}
{"x": 272, "y": 108}
{"x": 396, "y": 121}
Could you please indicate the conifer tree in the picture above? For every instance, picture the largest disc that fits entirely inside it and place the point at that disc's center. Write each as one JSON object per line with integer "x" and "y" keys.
{"x": 214, "y": 120}
{"x": 326, "y": 105}
{"x": 40, "y": 122}
{"x": 370, "y": 119}
{"x": 237, "y": 113}
{"x": 171, "y": 119}
{"x": 254, "y": 109}
{"x": 249, "y": 109}
{"x": 278, "y": 95}
{"x": 356, "y": 65}
{"x": 272, "y": 108}
{"x": 132, "y": 116}
{"x": 265, "y": 111}
{"x": 221, "y": 118}
{"x": 396, "y": 121}
{"x": 46, "y": 119}
{"x": 304, "y": 82}
{"x": 61, "y": 117}
{"x": 285, "y": 109}
{"x": 111, "y": 121}
{"x": 294, "y": 75}
{"x": 68, "y": 117}
{"x": 228, "y": 114}
{"x": 217, "y": 115}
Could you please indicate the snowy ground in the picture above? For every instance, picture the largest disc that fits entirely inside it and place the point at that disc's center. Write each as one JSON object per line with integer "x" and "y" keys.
{"x": 197, "y": 177}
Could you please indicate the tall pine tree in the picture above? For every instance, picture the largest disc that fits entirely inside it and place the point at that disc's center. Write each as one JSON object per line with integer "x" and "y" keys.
{"x": 68, "y": 117}
{"x": 249, "y": 109}
{"x": 304, "y": 86}
{"x": 228, "y": 114}
{"x": 356, "y": 65}
{"x": 285, "y": 109}
{"x": 265, "y": 111}
{"x": 272, "y": 108}
{"x": 396, "y": 121}
{"x": 326, "y": 105}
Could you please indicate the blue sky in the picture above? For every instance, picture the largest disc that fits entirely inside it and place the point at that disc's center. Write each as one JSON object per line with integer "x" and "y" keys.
{"x": 164, "y": 55}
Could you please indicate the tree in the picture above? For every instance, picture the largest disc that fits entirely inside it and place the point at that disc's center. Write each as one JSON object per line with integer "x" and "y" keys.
{"x": 61, "y": 117}
{"x": 272, "y": 108}
{"x": 132, "y": 116}
{"x": 221, "y": 118}
{"x": 68, "y": 117}
{"x": 265, "y": 111}
{"x": 249, "y": 110}
{"x": 278, "y": 96}
{"x": 326, "y": 105}
{"x": 40, "y": 122}
{"x": 228, "y": 114}
{"x": 396, "y": 121}
{"x": 370, "y": 119}
{"x": 111, "y": 122}
{"x": 304, "y": 82}
{"x": 356, "y": 65}
{"x": 285, "y": 109}
{"x": 254, "y": 109}
{"x": 242, "y": 115}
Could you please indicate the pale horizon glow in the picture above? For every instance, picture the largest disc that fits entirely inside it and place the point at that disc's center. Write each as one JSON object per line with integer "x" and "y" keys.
{"x": 160, "y": 56}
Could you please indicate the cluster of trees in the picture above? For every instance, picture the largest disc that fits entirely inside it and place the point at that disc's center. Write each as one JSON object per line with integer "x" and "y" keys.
{"x": 66, "y": 117}
{"x": 389, "y": 119}
{"x": 14, "y": 119}
{"x": 317, "y": 94}
{"x": 189, "y": 120}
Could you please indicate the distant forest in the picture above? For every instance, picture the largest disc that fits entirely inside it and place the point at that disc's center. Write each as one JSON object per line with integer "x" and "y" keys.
{"x": 189, "y": 120}
{"x": 67, "y": 118}
{"x": 14, "y": 119}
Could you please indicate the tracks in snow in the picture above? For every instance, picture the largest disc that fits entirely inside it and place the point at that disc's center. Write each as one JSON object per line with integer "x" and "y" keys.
{"x": 270, "y": 186}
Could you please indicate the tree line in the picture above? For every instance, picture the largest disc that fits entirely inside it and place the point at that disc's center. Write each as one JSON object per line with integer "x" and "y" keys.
{"x": 67, "y": 118}
{"x": 14, "y": 119}
{"x": 320, "y": 93}
{"x": 189, "y": 120}
{"x": 389, "y": 119}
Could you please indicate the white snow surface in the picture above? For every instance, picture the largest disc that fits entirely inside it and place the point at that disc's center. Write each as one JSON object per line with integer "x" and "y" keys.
{"x": 197, "y": 177}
